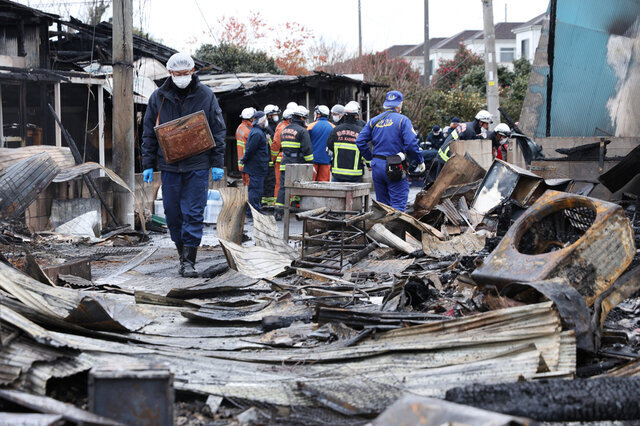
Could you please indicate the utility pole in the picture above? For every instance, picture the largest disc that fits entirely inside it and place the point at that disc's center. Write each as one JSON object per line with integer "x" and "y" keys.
{"x": 359, "y": 29}
{"x": 123, "y": 151}
{"x": 490, "y": 67}
{"x": 427, "y": 61}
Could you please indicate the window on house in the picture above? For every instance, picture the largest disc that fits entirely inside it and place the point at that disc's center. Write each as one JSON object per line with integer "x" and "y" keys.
{"x": 524, "y": 48}
{"x": 506, "y": 54}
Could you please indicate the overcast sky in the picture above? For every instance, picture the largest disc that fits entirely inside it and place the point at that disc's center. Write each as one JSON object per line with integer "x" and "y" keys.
{"x": 179, "y": 23}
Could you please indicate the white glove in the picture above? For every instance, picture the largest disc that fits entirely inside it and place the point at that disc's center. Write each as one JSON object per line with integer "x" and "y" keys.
{"x": 420, "y": 169}
{"x": 402, "y": 156}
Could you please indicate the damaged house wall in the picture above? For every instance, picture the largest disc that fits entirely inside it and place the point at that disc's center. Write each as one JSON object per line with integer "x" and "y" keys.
{"x": 585, "y": 79}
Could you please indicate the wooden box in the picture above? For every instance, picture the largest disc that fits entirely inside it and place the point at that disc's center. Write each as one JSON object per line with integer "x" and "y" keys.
{"x": 184, "y": 137}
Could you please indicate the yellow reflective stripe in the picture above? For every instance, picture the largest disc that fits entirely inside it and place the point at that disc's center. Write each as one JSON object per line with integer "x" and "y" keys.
{"x": 308, "y": 158}
{"x": 282, "y": 167}
{"x": 240, "y": 143}
{"x": 290, "y": 144}
{"x": 279, "y": 204}
{"x": 349, "y": 172}
{"x": 454, "y": 134}
{"x": 444, "y": 155}
{"x": 270, "y": 163}
{"x": 274, "y": 153}
{"x": 350, "y": 146}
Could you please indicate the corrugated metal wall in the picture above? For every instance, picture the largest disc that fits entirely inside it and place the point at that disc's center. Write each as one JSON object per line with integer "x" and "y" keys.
{"x": 596, "y": 70}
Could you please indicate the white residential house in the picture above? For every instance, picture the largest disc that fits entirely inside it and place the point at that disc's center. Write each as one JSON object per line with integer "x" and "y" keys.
{"x": 505, "y": 43}
{"x": 527, "y": 37}
{"x": 513, "y": 40}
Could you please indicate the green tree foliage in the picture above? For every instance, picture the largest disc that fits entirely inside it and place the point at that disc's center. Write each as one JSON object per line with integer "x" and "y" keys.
{"x": 441, "y": 106}
{"x": 234, "y": 58}
{"x": 450, "y": 71}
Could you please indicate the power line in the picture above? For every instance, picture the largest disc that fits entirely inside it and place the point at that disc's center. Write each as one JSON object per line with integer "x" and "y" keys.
{"x": 205, "y": 22}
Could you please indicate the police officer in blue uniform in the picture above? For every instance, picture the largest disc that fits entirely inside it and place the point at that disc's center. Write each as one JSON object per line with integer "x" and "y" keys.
{"x": 256, "y": 159}
{"x": 393, "y": 138}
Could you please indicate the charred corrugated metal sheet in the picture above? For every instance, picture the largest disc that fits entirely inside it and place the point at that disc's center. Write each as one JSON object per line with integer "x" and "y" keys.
{"x": 21, "y": 183}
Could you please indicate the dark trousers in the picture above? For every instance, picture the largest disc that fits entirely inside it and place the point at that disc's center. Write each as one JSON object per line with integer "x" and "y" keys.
{"x": 280, "y": 197}
{"x": 394, "y": 194}
{"x": 256, "y": 188}
{"x": 184, "y": 196}
{"x": 268, "y": 193}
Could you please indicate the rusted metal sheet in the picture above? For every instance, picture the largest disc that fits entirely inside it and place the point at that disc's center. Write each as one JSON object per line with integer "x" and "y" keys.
{"x": 587, "y": 242}
{"x": 184, "y": 137}
{"x": 624, "y": 287}
{"x": 21, "y": 183}
{"x": 458, "y": 170}
{"x": 80, "y": 268}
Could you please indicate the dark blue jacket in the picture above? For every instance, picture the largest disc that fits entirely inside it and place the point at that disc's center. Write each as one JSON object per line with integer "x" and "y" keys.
{"x": 465, "y": 132}
{"x": 256, "y": 153}
{"x": 391, "y": 133}
{"x": 198, "y": 97}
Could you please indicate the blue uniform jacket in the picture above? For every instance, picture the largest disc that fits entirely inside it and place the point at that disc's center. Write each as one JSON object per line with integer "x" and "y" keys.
{"x": 391, "y": 133}
{"x": 199, "y": 97}
{"x": 319, "y": 132}
{"x": 256, "y": 153}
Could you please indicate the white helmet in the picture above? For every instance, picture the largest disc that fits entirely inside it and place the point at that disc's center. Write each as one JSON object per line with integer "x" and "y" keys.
{"x": 503, "y": 129}
{"x": 287, "y": 113}
{"x": 247, "y": 113}
{"x": 291, "y": 105}
{"x": 352, "y": 108}
{"x": 484, "y": 116}
{"x": 301, "y": 111}
{"x": 269, "y": 109}
{"x": 322, "y": 110}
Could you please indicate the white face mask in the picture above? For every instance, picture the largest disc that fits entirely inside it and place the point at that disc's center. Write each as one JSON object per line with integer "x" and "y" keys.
{"x": 181, "y": 81}
{"x": 275, "y": 118}
{"x": 335, "y": 118}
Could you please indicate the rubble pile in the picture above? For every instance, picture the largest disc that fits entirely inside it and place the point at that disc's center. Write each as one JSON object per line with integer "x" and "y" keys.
{"x": 493, "y": 288}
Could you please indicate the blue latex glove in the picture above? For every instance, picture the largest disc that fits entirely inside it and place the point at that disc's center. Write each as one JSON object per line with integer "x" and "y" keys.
{"x": 216, "y": 173}
{"x": 147, "y": 175}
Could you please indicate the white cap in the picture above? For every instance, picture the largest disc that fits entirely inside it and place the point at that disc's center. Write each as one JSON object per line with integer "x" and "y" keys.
{"x": 247, "y": 113}
{"x": 180, "y": 62}
{"x": 287, "y": 113}
{"x": 291, "y": 105}
{"x": 352, "y": 108}
{"x": 269, "y": 109}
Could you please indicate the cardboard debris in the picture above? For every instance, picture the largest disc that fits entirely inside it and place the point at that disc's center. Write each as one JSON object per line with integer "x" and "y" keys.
{"x": 463, "y": 245}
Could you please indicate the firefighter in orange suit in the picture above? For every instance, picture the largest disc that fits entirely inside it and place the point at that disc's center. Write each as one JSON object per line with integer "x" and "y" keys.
{"x": 242, "y": 133}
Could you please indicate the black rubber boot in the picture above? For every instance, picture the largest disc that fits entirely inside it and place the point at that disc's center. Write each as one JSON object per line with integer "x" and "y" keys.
{"x": 189, "y": 262}
{"x": 180, "y": 248}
